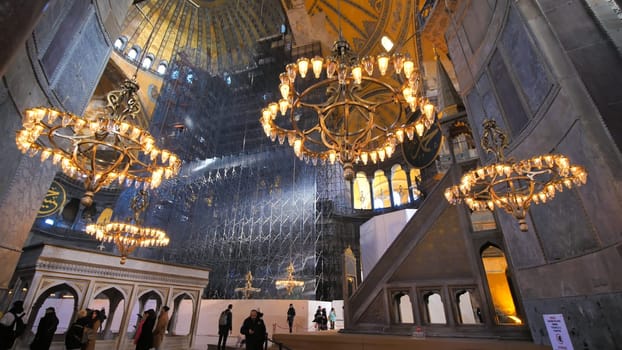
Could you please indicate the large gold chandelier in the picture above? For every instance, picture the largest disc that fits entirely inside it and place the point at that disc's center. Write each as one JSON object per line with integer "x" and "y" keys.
{"x": 514, "y": 185}
{"x": 102, "y": 147}
{"x": 348, "y": 110}
{"x": 129, "y": 235}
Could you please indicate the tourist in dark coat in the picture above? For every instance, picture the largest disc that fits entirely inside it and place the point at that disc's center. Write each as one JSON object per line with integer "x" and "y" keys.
{"x": 255, "y": 331}
{"x": 45, "y": 330}
{"x": 144, "y": 333}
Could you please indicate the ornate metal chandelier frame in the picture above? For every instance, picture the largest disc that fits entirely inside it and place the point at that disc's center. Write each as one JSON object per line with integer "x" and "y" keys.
{"x": 363, "y": 117}
{"x": 514, "y": 185}
{"x": 101, "y": 147}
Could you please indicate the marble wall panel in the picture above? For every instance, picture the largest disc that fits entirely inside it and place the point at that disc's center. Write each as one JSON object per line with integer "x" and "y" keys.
{"x": 524, "y": 62}
{"x": 84, "y": 66}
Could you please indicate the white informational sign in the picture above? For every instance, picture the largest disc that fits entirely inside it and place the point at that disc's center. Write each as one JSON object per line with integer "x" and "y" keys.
{"x": 558, "y": 333}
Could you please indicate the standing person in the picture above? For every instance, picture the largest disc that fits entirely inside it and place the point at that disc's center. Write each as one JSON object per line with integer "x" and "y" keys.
{"x": 160, "y": 328}
{"x": 91, "y": 328}
{"x": 324, "y": 320}
{"x": 144, "y": 333}
{"x": 291, "y": 313}
{"x": 11, "y": 325}
{"x": 254, "y": 330}
{"x": 45, "y": 330}
{"x": 75, "y": 334}
{"x": 332, "y": 317}
{"x": 225, "y": 327}
{"x": 317, "y": 318}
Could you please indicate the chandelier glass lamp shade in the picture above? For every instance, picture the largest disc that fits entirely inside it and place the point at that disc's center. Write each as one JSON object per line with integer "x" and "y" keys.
{"x": 290, "y": 283}
{"x": 348, "y": 109}
{"x": 129, "y": 235}
{"x": 103, "y": 147}
{"x": 514, "y": 185}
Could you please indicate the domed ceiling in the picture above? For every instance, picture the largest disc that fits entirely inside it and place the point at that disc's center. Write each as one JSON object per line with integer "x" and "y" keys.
{"x": 362, "y": 23}
{"x": 216, "y": 35}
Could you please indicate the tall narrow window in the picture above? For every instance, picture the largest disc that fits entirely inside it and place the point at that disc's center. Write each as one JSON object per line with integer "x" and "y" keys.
{"x": 468, "y": 307}
{"x": 147, "y": 62}
{"x": 403, "y": 308}
{"x": 495, "y": 266}
{"x": 435, "y": 309}
{"x": 399, "y": 184}
{"x": 162, "y": 68}
{"x": 415, "y": 176}
{"x": 361, "y": 192}
{"x": 382, "y": 195}
{"x": 133, "y": 53}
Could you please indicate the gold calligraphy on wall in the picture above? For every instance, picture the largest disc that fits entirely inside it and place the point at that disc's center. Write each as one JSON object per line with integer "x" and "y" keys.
{"x": 53, "y": 200}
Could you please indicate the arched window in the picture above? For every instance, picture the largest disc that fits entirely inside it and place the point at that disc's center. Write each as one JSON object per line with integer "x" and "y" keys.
{"x": 149, "y": 300}
{"x": 120, "y": 43}
{"x": 468, "y": 308}
{"x": 361, "y": 192}
{"x": 435, "y": 310}
{"x": 112, "y": 302}
{"x": 181, "y": 317}
{"x": 403, "y": 307}
{"x": 147, "y": 61}
{"x": 133, "y": 53}
{"x": 399, "y": 184}
{"x": 162, "y": 67}
{"x": 496, "y": 268}
{"x": 415, "y": 177}
{"x": 63, "y": 298}
{"x": 382, "y": 195}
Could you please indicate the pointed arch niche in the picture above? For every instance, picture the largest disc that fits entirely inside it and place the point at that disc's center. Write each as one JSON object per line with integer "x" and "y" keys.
{"x": 63, "y": 298}
{"x": 112, "y": 302}
{"x": 499, "y": 286}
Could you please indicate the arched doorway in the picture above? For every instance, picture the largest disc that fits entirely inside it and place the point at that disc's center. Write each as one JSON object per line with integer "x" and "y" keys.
{"x": 183, "y": 313}
{"x": 503, "y": 300}
{"x": 63, "y": 298}
{"x": 148, "y": 300}
{"x": 111, "y": 302}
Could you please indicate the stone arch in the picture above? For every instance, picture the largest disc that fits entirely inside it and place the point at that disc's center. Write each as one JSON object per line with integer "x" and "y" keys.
{"x": 180, "y": 309}
{"x": 57, "y": 290}
{"x": 498, "y": 283}
{"x": 117, "y": 299}
{"x": 141, "y": 304}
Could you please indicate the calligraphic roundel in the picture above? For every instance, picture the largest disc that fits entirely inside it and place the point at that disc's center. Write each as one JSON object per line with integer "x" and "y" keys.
{"x": 53, "y": 201}
{"x": 420, "y": 152}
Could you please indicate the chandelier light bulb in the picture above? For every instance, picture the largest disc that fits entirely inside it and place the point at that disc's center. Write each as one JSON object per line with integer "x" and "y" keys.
{"x": 274, "y": 109}
{"x": 409, "y": 68}
{"x": 357, "y": 74}
{"x": 283, "y": 105}
{"x": 291, "y": 72}
{"x": 303, "y": 66}
{"x": 398, "y": 62}
{"x": 316, "y": 64}
{"x": 383, "y": 63}
{"x": 284, "y": 88}
{"x": 368, "y": 65}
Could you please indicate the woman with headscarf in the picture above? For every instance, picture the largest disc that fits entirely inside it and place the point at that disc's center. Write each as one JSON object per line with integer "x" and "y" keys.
{"x": 45, "y": 330}
{"x": 144, "y": 333}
